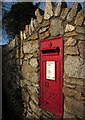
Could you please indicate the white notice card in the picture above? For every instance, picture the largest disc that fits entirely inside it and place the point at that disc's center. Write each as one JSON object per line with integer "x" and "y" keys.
{"x": 50, "y": 70}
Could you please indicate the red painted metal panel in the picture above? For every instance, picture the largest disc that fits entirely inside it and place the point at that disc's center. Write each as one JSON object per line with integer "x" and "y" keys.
{"x": 51, "y": 75}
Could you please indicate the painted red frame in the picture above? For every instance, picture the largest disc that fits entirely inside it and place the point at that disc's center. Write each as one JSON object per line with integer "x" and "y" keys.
{"x": 51, "y": 96}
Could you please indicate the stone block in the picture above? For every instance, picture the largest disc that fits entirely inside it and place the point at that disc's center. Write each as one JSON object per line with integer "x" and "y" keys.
{"x": 24, "y": 35}
{"x": 39, "y": 17}
{"x": 25, "y": 97}
{"x": 26, "y": 28}
{"x": 30, "y": 47}
{"x": 81, "y": 37}
{"x": 34, "y": 108}
{"x": 81, "y": 46}
{"x": 34, "y": 62}
{"x": 35, "y": 98}
{"x": 48, "y": 10}
{"x": 17, "y": 53}
{"x": 44, "y": 35}
{"x": 28, "y": 56}
{"x": 69, "y": 28}
{"x": 45, "y": 23}
{"x": 74, "y": 67}
{"x": 74, "y": 107}
{"x": 32, "y": 25}
{"x": 26, "y": 70}
{"x": 35, "y": 115}
{"x": 80, "y": 89}
{"x": 59, "y": 7}
{"x": 79, "y": 18}
{"x": 34, "y": 77}
{"x": 64, "y": 13}
{"x": 73, "y": 12}
{"x": 21, "y": 61}
{"x": 24, "y": 82}
{"x": 21, "y": 54}
{"x": 68, "y": 115}
{"x": 80, "y": 30}
{"x": 73, "y": 93}
{"x": 34, "y": 36}
{"x": 69, "y": 34}
{"x": 35, "y": 23}
{"x": 32, "y": 89}
{"x": 71, "y": 42}
{"x": 71, "y": 50}
{"x": 84, "y": 22}
{"x": 21, "y": 35}
{"x": 43, "y": 30}
{"x": 74, "y": 81}
{"x": 72, "y": 86}
{"x": 30, "y": 31}
{"x": 56, "y": 27}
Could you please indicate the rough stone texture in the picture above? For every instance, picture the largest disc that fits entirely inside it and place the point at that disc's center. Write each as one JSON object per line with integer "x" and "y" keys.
{"x": 39, "y": 17}
{"x": 72, "y": 13}
{"x": 26, "y": 97}
{"x": 34, "y": 107}
{"x": 34, "y": 36}
{"x": 45, "y": 23}
{"x": 43, "y": 30}
{"x": 64, "y": 13}
{"x": 69, "y": 28}
{"x": 81, "y": 46}
{"x": 70, "y": 34}
{"x": 27, "y": 28}
{"x": 21, "y": 55}
{"x": 30, "y": 47}
{"x": 58, "y": 9}
{"x": 44, "y": 35}
{"x": 73, "y": 93}
{"x": 74, "y": 67}
{"x": 84, "y": 22}
{"x": 75, "y": 107}
{"x": 56, "y": 27}
{"x": 80, "y": 37}
{"x": 35, "y": 98}
{"x": 32, "y": 25}
{"x": 35, "y": 23}
{"x": 79, "y": 18}
{"x": 72, "y": 50}
{"x": 34, "y": 76}
{"x": 80, "y": 29}
{"x": 48, "y": 10}
{"x": 34, "y": 62}
{"x": 68, "y": 115}
{"x": 21, "y": 35}
{"x": 24, "y": 35}
{"x": 26, "y": 69}
{"x": 74, "y": 81}
{"x": 30, "y": 31}
{"x": 28, "y": 56}
{"x": 32, "y": 89}
{"x": 71, "y": 42}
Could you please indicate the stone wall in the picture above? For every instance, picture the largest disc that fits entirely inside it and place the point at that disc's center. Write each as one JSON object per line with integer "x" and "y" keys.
{"x": 22, "y": 61}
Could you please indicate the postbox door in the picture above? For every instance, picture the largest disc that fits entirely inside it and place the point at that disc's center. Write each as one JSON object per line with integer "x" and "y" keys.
{"x": 51, "y": 97}
{"x": 51, "y": 89}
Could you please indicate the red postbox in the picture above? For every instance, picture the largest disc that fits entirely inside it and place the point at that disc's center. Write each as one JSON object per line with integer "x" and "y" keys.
{"x": 51, "y": 75}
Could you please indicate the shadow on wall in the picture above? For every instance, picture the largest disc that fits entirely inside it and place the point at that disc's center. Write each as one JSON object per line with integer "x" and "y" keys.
{"x": 11, "y": 89}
